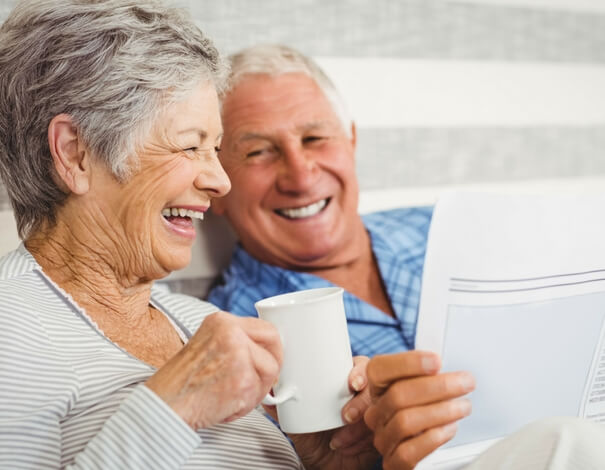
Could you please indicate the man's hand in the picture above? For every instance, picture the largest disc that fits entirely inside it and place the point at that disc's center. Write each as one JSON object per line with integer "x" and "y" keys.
{"x": 414, "y": 409}
{"x": 346, "y": 448}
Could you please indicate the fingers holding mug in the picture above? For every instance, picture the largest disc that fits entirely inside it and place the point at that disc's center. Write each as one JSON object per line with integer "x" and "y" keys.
{"x": 222, "y": 372}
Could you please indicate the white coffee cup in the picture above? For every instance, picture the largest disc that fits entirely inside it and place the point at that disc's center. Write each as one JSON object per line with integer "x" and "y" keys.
{"x": 313, "y": 382}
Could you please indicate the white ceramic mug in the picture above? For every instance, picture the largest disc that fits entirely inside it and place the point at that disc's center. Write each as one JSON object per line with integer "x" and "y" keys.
{"x": 313, "y": 382}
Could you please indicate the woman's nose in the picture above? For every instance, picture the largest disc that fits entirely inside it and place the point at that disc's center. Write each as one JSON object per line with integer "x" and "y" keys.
{"x": 213, "y": 179}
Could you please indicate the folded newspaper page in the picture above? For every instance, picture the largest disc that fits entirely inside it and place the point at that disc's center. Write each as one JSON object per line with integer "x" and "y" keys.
{"x": 514, "y": 292}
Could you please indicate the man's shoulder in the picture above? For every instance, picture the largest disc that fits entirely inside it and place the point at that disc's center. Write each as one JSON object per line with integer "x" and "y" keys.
{"x": 236, "y": 294}
{"x": 418, "y": 218}
{"x": 247, "y": 280}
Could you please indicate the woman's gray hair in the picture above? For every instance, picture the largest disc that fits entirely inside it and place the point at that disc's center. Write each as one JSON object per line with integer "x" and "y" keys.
{"x": 278, "y": 59}
{"x": 112, "y": 65}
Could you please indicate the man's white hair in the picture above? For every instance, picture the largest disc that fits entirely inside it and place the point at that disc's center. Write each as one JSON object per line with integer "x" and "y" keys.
{"x": 275, "y": 60}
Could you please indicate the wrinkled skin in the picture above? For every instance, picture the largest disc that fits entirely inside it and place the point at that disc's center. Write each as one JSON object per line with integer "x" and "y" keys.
{"x": 223, "y": 372}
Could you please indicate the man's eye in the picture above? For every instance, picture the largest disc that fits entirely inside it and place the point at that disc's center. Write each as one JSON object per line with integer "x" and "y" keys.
{"x": 191, "y": 149}
{"x": 311, "y": 138}
{"x": 268, "y": 152}
{"x": 254, "y": 153}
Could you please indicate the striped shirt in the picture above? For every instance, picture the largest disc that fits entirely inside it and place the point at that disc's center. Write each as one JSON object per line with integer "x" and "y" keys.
{"x": 69, "y": 397}
{"x": 398, "y": 240}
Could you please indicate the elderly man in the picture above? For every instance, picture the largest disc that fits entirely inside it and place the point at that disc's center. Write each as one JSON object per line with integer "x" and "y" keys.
{"x": 289, "y": 150}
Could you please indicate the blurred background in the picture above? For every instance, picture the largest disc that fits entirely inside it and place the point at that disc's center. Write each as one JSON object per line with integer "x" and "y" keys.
{"x": 475, "y": 94}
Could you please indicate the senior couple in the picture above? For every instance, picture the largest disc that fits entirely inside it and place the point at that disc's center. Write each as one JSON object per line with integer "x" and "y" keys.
{"x": 110, "y": 131}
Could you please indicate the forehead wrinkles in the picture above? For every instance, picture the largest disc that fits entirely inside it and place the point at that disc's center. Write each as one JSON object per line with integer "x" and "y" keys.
{"x": 293, "y": 128}
{"x": 264, "y": 103}
{"x": 250, "y": 119}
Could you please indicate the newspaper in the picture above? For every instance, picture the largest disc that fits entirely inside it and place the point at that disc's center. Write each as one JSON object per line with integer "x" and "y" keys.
{"x": 514, "y": 292}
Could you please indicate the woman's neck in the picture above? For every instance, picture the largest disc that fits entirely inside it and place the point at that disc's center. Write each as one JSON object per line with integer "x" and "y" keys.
{"x": 91, "y": 270}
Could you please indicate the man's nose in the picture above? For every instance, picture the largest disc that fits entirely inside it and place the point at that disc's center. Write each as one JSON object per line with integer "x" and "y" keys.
{"x": 298, "y": 170}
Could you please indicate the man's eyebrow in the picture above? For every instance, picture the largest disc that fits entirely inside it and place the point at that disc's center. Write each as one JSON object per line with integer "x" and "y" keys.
{"x": 310, "y": 126}
{"x": 251, "y": 136}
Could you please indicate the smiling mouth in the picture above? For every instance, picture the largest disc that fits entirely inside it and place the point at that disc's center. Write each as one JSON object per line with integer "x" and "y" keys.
{"x": 305, "y": 211}
{"x": 175, "y": 213}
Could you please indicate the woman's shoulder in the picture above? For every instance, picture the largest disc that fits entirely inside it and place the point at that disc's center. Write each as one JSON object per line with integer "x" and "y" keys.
{"x": 26, "y": 305}
{"x": 21, "y": 286}
{"x": 187, "y": 309}
{"x": 16, "y": 263}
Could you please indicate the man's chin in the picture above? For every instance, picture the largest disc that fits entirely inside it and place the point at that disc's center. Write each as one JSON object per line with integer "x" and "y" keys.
{"x": 324, "y": 258}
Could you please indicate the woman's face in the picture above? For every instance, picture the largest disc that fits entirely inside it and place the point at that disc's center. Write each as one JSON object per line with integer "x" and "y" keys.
{"x": 150, "y": 218}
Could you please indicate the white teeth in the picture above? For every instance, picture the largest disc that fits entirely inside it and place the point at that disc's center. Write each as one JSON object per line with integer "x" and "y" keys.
{"x": 180, "y": 212}
{"x": 302, "y": 212}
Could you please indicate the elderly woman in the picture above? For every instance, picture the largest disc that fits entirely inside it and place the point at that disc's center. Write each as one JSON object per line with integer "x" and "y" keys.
{"x": 109, "y": 133}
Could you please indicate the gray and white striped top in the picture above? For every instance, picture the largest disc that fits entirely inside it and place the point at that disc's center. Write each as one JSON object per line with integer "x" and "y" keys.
{"x": 69, "y": 397}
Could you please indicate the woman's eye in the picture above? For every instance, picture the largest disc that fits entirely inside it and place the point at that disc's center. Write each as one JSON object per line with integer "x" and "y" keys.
{"x": 217, "y": 149}
{"x": 192, "y": 153}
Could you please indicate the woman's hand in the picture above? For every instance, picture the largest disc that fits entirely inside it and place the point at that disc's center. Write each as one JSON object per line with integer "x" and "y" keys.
{"x": 346, "y": 448}
{"x": 414, "y": 408}
{"x": 223, "y": 372}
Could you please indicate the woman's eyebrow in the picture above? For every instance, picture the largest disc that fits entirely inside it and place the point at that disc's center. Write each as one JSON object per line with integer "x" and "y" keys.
{"x": 194, "y": 130}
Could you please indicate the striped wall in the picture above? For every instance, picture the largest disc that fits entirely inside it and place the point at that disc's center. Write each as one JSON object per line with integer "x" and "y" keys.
{"x": 573, "y": 5}
{"x": 479, "y": 93}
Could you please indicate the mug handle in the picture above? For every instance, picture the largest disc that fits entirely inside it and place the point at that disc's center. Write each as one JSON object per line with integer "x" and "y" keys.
{"x": 287, "y": 394}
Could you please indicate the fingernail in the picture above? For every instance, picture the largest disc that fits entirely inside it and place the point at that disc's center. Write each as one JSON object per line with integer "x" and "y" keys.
{"x": 429, "y": 364}
{"x": 449, "y": 430}
{"x": 335, "y": 444}
{"x": 467, "y": 382}
{"x": 464, "y": 406}
{"x": 357, "y": 383}
{"x": 351, "y": 415}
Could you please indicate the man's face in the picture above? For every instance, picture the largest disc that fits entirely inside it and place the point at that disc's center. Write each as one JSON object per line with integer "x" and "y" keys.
{"x": 294, "y": 191}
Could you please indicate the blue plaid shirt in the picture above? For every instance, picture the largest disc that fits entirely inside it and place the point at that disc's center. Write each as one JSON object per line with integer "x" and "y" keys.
{"x": 399, "y": 242}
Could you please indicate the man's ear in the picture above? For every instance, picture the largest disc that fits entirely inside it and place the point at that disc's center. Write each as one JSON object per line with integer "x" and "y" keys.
{"x": 353, "y": 135}
{"x": 70, "y": 157}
